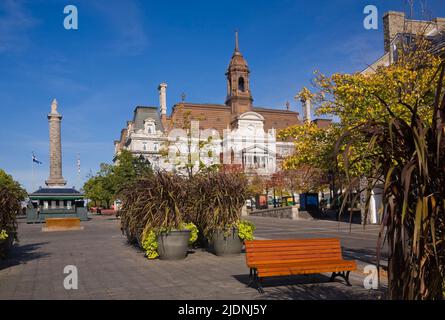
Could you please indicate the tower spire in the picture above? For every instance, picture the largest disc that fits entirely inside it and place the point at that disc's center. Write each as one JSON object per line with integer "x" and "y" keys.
{"x": 236, "y": 41}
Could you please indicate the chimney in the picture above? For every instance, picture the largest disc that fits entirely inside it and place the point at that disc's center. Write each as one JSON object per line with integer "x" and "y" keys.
{"x": 163, "y": 100}
{"x": 306, "y": 110}
{"x": 393, "y": 23}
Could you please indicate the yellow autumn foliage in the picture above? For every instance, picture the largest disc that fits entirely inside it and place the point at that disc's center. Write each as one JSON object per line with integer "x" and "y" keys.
{"x": 354, "y": 99}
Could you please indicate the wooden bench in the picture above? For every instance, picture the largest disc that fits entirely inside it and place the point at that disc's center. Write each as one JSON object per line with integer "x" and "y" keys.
{"x": 269, "y": 258}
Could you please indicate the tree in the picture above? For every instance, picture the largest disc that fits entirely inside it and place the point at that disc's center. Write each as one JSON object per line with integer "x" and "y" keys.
{"x": 256, "y": 185}
{"x": 187, "y": 147}
{"x": 97, "y": 189}
{"x": 313, "y": 165}
{"x": 394, "y": 120}
{"x": 303, "y": 180}
{"x": 11, "y": 194}
{"x": 13, "y": 186}
{"x": 110, "y": 180}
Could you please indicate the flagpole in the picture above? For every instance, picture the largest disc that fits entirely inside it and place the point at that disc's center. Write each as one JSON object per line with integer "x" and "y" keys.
{"x": 32, "y": 178}
{"x": 78, "y": 171}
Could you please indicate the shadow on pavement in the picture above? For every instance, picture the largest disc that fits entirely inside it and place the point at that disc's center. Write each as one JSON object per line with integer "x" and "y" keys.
{"x": 311, "y": 287}
{"x": 22, "y": 254}
{"x": 330, "y": 291}
{"x": 347, "y": 217}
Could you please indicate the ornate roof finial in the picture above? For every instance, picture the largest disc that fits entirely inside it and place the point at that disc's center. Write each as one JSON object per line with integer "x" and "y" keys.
{"x": 236, "y": 41}
{"x": 183, "y": 97}
{"x": 287, "y": 105}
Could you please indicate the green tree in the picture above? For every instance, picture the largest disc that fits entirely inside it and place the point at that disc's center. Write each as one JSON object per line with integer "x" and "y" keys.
{"x": 104, "y": 187}
{"x": 391, "y": 132}
{"x": 11, "y": 194}
{"x": 8, "y": 181}
{"x": 187, "y": 152}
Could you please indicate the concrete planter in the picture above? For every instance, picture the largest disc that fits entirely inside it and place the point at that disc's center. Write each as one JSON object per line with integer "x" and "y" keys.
{"x": 173, "y": 245}
{"x": 223, "y": 245}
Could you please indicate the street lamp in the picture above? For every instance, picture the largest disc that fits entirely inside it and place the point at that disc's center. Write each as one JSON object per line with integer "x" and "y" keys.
{"x": 331, "y": 186}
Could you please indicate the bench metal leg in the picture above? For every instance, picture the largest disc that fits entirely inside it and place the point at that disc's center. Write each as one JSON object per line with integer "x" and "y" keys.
{"x": 254, "y": 278}
{"x": 343, "y": 275}
{"x": 260, "y": 285}
{"x": 250, "y": 278}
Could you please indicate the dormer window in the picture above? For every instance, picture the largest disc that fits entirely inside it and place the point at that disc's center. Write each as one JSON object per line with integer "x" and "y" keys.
{"x": 150, "y": 127}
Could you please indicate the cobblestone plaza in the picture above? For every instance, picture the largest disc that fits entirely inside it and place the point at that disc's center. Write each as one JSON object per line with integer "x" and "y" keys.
{"x": 109, "y": 268}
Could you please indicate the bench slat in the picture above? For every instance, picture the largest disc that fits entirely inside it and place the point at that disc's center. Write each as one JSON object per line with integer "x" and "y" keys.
{"x": 292, "y": 248}
{"x": 281, "y": 251}
{"x": 289, "y": 243}
{"x": 290, "y": 269}
{"x": 296, "y": 259}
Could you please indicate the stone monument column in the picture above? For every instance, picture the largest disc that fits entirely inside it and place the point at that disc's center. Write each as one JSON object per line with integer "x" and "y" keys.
{"x": 55, "y": 148}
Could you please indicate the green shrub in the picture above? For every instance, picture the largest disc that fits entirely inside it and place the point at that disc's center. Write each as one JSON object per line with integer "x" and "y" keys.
{"x": 194, "y": 231}
{"x": 150, "y": 238}
{"x": 150, "y": 244}
{"x": 245, "y": 229}
{"x": 3, "y": 235}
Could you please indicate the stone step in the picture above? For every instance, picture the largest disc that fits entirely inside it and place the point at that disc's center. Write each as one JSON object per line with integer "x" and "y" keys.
{"x": 62, "y": 224}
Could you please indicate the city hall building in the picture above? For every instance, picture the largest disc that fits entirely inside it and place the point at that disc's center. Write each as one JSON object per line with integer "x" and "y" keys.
{"x": 241, "y": 133}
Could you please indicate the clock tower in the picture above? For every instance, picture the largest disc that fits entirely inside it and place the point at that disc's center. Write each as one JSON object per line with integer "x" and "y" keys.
{"x": 239, "y": 97}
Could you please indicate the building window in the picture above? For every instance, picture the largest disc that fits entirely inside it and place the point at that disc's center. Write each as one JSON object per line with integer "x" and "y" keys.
{"x": 68, "y": 205}
{"x": 155, "y": 147}
{"x": 53, "y": 204}
{"x": 241, "y": 86}
{"x": 144, "y": 146}
{"x": 45, "y": 205}
{"x": 150, "y": 127}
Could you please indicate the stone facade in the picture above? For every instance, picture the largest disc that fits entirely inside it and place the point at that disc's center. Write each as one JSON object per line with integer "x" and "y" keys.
{"x": 55, "y": 148}
{"x": 242, "y": 134}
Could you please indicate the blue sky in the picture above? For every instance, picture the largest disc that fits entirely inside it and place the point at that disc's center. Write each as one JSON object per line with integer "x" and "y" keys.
{"x": 124, "y": 49}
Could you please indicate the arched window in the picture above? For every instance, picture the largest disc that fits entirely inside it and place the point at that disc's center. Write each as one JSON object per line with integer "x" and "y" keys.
{"x": 241, "y": 86}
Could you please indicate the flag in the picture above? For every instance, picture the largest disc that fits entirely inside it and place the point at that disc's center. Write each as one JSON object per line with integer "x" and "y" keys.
{"x": 34, "y": 159}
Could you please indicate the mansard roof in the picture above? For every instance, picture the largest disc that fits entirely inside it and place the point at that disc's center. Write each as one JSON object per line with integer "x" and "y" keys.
{"x": 141, "y": 113}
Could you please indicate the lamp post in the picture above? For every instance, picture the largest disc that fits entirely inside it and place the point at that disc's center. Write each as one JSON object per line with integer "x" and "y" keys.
{"x": 331, "y": 187}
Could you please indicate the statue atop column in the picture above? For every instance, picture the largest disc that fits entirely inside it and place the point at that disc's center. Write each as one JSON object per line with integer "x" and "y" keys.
{"x": 55, "y": 148}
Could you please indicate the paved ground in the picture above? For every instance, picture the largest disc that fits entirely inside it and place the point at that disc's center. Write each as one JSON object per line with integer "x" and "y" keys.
{"x": 111, "y": 269}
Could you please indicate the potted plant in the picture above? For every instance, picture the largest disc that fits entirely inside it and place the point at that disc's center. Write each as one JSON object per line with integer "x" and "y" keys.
{"x": 153, "y": 212}
{"x": 217, "y": 200}
{"x": 169, "y": 245}
{"x": 230, "y": 241}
